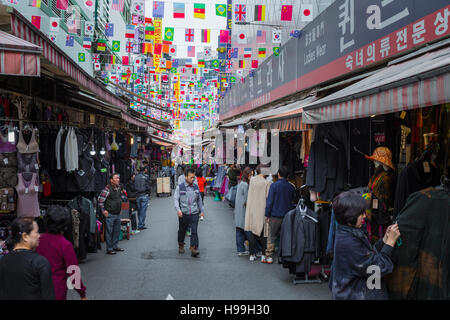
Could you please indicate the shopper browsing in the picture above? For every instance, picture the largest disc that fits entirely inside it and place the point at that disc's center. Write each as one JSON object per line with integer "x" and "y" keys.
{"x": 143, "y": 189}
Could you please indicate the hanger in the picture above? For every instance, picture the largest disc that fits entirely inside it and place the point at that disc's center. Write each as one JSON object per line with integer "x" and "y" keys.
{"x": 330, "y": 144}
{"x": 303, "y": 209}
{"x": 445, "y": 184}
{"x": 354, "y": 148}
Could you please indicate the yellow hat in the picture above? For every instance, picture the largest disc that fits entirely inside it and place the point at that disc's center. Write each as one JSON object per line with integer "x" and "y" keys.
{"x": 383, "y": 155}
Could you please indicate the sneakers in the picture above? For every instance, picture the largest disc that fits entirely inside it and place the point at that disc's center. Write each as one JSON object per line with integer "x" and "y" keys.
{"x": 134, "y": 232}
{"x": 252, "y": 258}
{"x": 201, "y": 218}
{"x": 267, "y": 260}
{"x": 243, "y": 253}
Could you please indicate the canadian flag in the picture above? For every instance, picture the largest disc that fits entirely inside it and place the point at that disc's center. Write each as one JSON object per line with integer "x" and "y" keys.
{"x": 307, "y": 12}
{"x": 242, "y": 37}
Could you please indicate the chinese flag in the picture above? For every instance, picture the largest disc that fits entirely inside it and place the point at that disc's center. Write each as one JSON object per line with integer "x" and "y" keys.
{"x": 36, "y": 21}
{"x": 286, "y": 13}
{"x": 62, "y": 4}
{"x": 157, "y": 49}
{"x": 125, "y": 60}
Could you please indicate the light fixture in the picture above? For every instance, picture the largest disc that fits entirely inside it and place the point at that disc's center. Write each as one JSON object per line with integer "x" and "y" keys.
{"x": 92, "y": 152}
{"x": 132, "y": 140}
{"x": 372, "y": 116}
{"x": 11, "y": 134}
{"x": 102, "y": 151}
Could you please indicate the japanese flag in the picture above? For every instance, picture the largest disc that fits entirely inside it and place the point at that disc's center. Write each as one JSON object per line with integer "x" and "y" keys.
{"x": 173, "y": 50}
{"x": 276, "y": 36}
{"x": 54, "y": 24}
{"x": 242, "y": 37}
{"x": 307, "y": 12}
{"x": 96, "y": 66}
{"x": 89, "y": 4}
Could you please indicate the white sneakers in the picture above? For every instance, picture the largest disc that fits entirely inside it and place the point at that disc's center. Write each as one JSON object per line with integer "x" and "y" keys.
{"x": 201, "y": 218}
{"x": 252, "y": 258}
{"x": 243, "y": 253}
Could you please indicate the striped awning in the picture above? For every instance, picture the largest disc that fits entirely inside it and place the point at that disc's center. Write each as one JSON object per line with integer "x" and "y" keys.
{"x": 135, "y": 121}
{"x": 23, "y": 29}
{"x": 417, "y": 83}
{"x": 285, "y": 125}
{"x": 19, "y": 57}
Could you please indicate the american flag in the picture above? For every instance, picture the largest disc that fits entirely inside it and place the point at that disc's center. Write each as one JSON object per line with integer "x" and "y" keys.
{"x": 260, "y": 36}
{"x": 117, "y": 5}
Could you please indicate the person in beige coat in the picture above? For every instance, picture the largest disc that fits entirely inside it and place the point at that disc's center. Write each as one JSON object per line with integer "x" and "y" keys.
{"x": 255, "y": 221}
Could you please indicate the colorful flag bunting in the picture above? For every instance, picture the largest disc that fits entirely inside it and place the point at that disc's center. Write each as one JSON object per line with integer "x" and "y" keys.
{"x": 178, "y": 10}
{"x": 261, "y": 36}
{"x": 255, "y": 64}
{"x": 276, "y": 51}
{"x": 224, "y": 36}
{"x": 276, "y": 36}
{"x": 206, "y": 34}
{"x": 117, "y": 5}
{"x": 81, "y": 57}
{"x": 247, "y": 52}
{"x": 242, "y": 37}
{"x": 286, "y": 13}
{"x": 69, "y": 41}
{"x": 240, "y": 12}
{"x": 191, "y": 51}
{"x": 87, "y": 43}
{"x": 125, "y": 60}
{"x": 101, "y": 45}
{"x": 115, "y": 46}
{"x": 62, "y": 4}
{"x": 168, "y": 34}
{"x": 242, "y": 64}
{"x": 88, "y": 29}
{"x": 129, "y": 31}
{"x": 201, "y": 63}
{"x": 52, "y": 37}
{"x": 158, "y": 9}
{"x": 112, "y": 59}
{"x": 221, "y": 10}
{"x": 35, "y": 3}
{"x": 260, "y": 12}
{"x": 199, "y": 10}
{"x": 189, "y": 35}
{"x": 149, "y": 33}
{"x": 54, "y": 24}
{"x": 173, "y": 50}
{"x": 109, "y": 30}
{"x": 36, "y": 21}
{"x": 89, "y": 4}
{"x": 261, "y": 52}
{"x": 137, "y": 7}
{"x": 307, "y": 12}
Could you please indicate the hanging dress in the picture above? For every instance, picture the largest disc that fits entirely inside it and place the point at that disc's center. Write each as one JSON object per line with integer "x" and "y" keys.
{"x": 27, "y": 193}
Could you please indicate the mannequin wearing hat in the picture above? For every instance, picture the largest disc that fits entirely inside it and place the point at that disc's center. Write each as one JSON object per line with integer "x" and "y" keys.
{"x": 381, "y": 186}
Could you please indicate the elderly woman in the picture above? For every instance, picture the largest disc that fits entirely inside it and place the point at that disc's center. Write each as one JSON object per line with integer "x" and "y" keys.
{"x": 355, "y": 258}
{"x": 58, "y": 251}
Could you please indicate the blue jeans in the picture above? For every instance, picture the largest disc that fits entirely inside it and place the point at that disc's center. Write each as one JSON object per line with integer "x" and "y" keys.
{"x": 241, "y": 236}
{"x": 112, "y": 231}
{"x": 142, "y": 204}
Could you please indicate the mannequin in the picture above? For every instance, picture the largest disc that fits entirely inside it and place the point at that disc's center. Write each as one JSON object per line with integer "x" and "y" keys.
{"x": 381, "y": 186}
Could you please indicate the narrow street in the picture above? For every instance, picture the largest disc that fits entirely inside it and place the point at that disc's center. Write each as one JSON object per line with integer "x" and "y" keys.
{"x": 151, "y": 268}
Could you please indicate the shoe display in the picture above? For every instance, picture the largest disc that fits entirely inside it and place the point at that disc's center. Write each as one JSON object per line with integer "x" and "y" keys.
{"x": 243, "y": 253}
{"x": 252, "y": 258}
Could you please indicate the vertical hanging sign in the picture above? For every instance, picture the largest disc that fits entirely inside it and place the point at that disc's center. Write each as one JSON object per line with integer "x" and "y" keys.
{"x": 158, "y": 40}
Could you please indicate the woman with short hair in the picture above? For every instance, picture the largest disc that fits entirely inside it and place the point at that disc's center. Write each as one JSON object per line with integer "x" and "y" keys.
{"x": 239, "y": 211}
{"x": 24, "y": 274}
{"x": 59, "y": 251}
{"x": 355, "y": 258}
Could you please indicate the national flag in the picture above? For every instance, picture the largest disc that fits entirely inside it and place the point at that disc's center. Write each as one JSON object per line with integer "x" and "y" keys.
{"x": 137, "y": 8}
{"x": 157, "y": 49}
{"x": 233, "y": 53}
{"x": 242, "y": 64}
{"x": 87, "y": 43}
{"x": 36, "y": 21}
{"x": 96, "y": 57}
{"x": 173, "y": 50}
{"x": 232, "y": 79}
{"x": 117, "y": 5}
{"x": 207, "y": 52}
{"x": 158, "y": 9}
{"x": 81, "y": 57}
{"x": 54, "y": 24}
{"x": 168, "y": 34}
{"x": 149, "y": 33}
{"x": 101, "y": 45}
{"x": 112, "y": 59}
{"x": 224, "y": 36}
{"x": 276, "y": 36}
{"x": 88, "y": 29}
{"x": 260, "y": 12}
{"x": 221, "y": 10}
{"x": 189, "y": 35}
{"x": 62, "y": 4}
{"x": 199, "y": 10}
{"x": 109, "y": 30}
{"x": 115, "y": 46}
{"x": 206, "y": 34}
{"x": 96, "y": 66}
{"x": 295, "y": 33}
{"x": 178, "y": 10}
{"x": 255, "y": 64}
{"x": 201, "y": 63}
{"x": 307, "y": 12}
{"x": 229, "y": 64}
{"x": 242, "y": 37}
{"x": 276, "y": 51}
{"x": 191, "y": 51}
{"x": 52, "y": 37}
{"x": 129, "y": 46}
{"x": 240, "y": 12}
{"x": 69, "y": 41}
{"x": 89, "y": 4}
{"x": 261, "y": 52}
{"x": 35, "y": 3}
{"x": 125, "y": 60}
{"x": 247, "y": 53}
{"x": 72, "y": 25}
{"x": 286, "y": 13}
{"x": 261, "y": 36}
{"x": 129, "y": 31}
{"x": 147, "y": 48}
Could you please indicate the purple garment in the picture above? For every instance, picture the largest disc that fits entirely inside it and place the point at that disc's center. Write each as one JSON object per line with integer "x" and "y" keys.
{"x": 27, "y": 192}
{"x": 60, "y": 253}
{"x": 6, "y": 146}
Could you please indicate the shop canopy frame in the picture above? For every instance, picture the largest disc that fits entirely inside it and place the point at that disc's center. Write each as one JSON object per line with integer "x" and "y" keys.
{"x": 417, "y": 83}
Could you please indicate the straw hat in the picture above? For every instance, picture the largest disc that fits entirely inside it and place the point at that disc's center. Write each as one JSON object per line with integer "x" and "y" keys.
{"x": 383, "y": 155}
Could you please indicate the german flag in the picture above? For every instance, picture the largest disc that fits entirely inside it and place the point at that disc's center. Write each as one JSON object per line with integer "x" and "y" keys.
{"x": 242, "y": 64}
{"x": 260, "y": 13}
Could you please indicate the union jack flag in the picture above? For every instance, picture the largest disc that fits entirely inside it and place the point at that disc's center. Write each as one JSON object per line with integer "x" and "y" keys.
{"x": 240, "y": 12}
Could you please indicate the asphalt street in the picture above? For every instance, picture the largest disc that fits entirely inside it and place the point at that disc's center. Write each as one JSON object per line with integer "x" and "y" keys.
{"x": 151, "y": 268}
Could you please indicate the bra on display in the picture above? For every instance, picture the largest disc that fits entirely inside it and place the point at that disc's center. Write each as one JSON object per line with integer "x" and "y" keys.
{"x": 31, "y": 147}
{"x": 27, "y": 162}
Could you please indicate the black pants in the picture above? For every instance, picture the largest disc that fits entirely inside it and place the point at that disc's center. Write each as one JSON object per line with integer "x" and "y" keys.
{"x": 132, "y": 213}
{"x": 184, "y": 222}
{"x": 257, "y": 243}
{"x": 203, "y": 197}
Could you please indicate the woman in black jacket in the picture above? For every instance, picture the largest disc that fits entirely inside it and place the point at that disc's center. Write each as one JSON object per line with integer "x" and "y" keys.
{"x": 24, "y": 274}
{"x": 358, "y": 267}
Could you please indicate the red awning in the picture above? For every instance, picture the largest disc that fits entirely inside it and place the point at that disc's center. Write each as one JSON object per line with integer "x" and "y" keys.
{"x": 18, "y": 57}
{"x": 135, "y": 121}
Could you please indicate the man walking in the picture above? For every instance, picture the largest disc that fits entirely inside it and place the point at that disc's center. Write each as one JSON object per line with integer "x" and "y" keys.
{"x": 142, "y": 184}
{"x": 279, "y": 202}
{"x": 110, "y": 203}
{"x": 189, "y": 205}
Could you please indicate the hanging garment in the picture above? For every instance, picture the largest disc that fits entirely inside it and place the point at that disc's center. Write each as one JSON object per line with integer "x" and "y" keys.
{"x": 58, "y": 148}
{"x": 101, "y": 176}
{"x": 31, "y": 147}
{"x": 27, "y": 162}
{"x": 27, "y": 193}
{"x": 299, "y": 240}
{"x": 240, "y": 204}
{"x": 82, "y": 206}
{"x": 6, "y": 146}
{"x": 71, "y": 151}
{"x": 8, "y": 160}
{"x": 255, "y": 211}
{"x": 422, "y": 262}
{"x": 84, "y": 177}
{"x": 382, "y": 186}
{"x": 8, "y": 177}
{"x": 219, "y": 178}
{"x": 62, "y": 149}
